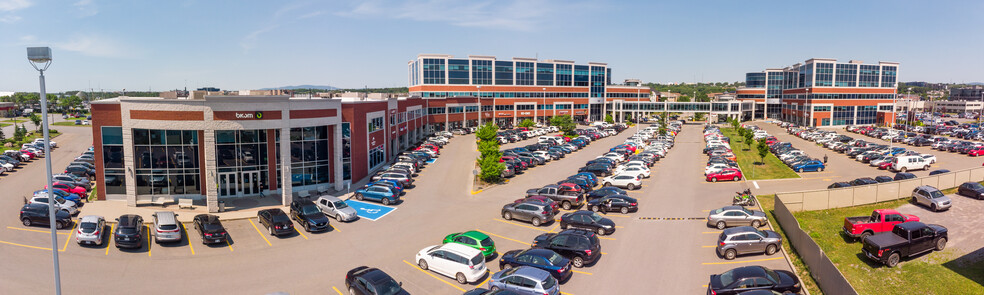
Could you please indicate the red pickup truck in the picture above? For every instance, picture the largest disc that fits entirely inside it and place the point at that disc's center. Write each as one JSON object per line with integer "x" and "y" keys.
{"x": 881, "y": 220}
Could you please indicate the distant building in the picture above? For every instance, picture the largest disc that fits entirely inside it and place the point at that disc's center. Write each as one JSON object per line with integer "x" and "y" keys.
{"x": 211, "y": 89}
{"x": 967, "y": 93}
{"x": 727, "y": 96}
{"x": 668, "y": 96}
{"x": 957, "y": 106}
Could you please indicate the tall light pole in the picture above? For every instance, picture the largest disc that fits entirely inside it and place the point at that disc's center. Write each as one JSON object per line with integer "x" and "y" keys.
{"x": 480, "y": 112}
{"x": 545, "y": 103}
{"x": 40, "y": 58}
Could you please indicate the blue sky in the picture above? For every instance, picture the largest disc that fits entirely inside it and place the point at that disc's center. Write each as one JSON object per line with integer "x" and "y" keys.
{"x": 163, "y": 45}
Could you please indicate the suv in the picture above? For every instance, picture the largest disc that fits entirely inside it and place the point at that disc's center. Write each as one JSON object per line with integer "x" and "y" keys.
{"x": 931, "y": 197}
{"x": 276, "y": 221}
{"x": 308, "y": 215}
{"x": 747, "y": 239}
{"x": 128, "y": 231}
{"x": 166, "y": 227}
{"x": 38, "y": 214}
{"x": 581, "y": 247}
{"x": 535, "y": 213}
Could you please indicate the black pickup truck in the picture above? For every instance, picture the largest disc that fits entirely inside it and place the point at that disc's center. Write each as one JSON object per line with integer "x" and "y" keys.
{"x": 906, "y": 239}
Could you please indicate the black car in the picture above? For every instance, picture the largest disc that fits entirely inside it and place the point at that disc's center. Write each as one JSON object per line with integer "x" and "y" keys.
{"x": 366, "y": 280}
{"x": 209, "y": 228}
{"x": 581, "y": 247}
{"x": 906, "y": 239}
{"x": 604, "y": 191}
{"x": 940, "y": 171}
{"x": 614, "y": 203}
{"x": 838, "y": 185}
{"x": 753, "y": 278}
{"x": 587, "y": 220}
{"x": 38, "y": 214}
{"x": 863, "y": 181}
{"x": 308, "y": 215}
{"x": 276, "y": 221}
{"x": 883, "y": 178}
{"x": 545, "y": 259}
{"x": 904, "y": 176}
{"x": 483, "y": 291}
{"x": 129, "y": 231}
{"x": 971, "y": 189}
{"x": 599, "y": 170}
{"x": 80, "y": 171}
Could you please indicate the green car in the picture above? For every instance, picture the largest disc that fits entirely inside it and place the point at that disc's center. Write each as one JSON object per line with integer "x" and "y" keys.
{"x": 473, "y": 239}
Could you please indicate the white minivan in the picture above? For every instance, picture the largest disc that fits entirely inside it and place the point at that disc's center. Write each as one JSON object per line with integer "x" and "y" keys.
{"x": 465, "y": 264}
{"x": 906, "y": 163}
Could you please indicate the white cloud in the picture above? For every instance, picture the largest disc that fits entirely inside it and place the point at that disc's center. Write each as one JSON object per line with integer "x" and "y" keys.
{"x": 10, "y": 18}
{"x": 86, "y": 8}
{"x": 97, "y": 46}
{"x": 514, "y": 15}
{"x": 14, "y": 5}
{"x": 249, "y": 41}
{"x": 311, "y": 14}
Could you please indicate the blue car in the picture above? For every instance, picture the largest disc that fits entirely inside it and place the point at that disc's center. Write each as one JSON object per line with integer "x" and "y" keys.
{"x": 809, "y": 166}
{"x": 393, "y": 184}
{"x": 65, "y": 195}
{"x": 594, "y": 179}
{"x": 377, "y": 193}
{"x": 898, "y": 150}
{"x": 545, "y": 259}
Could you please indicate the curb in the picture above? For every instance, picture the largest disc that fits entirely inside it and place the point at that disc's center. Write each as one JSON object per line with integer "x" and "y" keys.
{"x": 785, "y": 254}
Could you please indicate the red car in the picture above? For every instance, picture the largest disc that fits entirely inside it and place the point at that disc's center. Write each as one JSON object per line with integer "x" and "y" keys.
{"x": 770, "y": 140}
{"x": 976, "y": 151}
{"x": 884, "y": 166}
{"x": 726, "y": 174}
{"x": 542, "y": 200}
{"x": 571, "y": 187}
{"x": 68, "y": 188}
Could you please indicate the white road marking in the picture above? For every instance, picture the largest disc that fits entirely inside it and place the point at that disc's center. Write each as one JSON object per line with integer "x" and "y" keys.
{"x": 756, "y": 184}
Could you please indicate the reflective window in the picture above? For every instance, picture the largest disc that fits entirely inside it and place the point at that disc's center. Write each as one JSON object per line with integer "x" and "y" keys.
{"x": 166, "y": 163}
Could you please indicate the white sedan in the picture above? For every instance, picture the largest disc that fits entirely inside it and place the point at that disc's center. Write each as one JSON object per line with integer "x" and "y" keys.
{"x": 929, "y": 158}
{"x": 716, "y": 167}
{"x": 626, "y": 181}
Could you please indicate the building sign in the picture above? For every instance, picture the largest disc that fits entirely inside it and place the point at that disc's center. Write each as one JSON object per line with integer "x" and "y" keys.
{"x": 503, "y": 114}
{"x": 562, "y": 112}
{"x": 246, "y": 115}
{"x": 376, "y": 139}
{"x": 253, "y": 115}
{"x": 579, "y": 112}
{"x": 525, "y": 113}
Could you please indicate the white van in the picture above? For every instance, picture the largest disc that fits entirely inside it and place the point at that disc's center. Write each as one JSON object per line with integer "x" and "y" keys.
{"x": 906, "y": 163}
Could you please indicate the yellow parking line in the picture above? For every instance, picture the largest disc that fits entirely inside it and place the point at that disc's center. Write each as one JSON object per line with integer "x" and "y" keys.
{"x": 433, "y": 276}
{"x": 711, "y": 232}
{"x": 708, "y": 246}
{"x": 487, "y": 278}
{"x": 336, "y": 290}
{"x": 302, "y": 234}
{"x": 498, "y": 236}
{"x": 26, "y": 246}
{"x": 333, "y": 228}
{"x": 189, "y": 238}
{"x": 554, "y": 228}
{"x": 606, "y": 238}
{"x": 148, "y": 242}
{"x": 581, "y": 272}
{"x": 705, "y": 210}
{"x": 565, "y": 293}
{"x": 258, "y": 231}
{"x": 618, "y": 226}
{"x": 746, "y": 261}
{"x": 516, "y": 224}
{"x": 228, "y": 244}
{"x": 65, "y": 247}
{"x": 35, "y": 230}
{"x": 111, "y": 227}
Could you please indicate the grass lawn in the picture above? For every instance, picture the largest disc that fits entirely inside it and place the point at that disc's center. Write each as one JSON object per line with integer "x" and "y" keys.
{"x": 772, "y": 169}
{"x": 768, "y": 203}
{"x": 931, "y": 273}
{"x": 69, "y": 123}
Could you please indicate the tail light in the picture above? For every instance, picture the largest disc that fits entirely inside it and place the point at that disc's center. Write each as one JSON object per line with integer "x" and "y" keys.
{"x": 471, "y": 267}
{"x": 633, "y": 204}
{"x": 482, "y": 249}
{"x": 880, "y": 252}
{"x": 587, "y": 252}
{"x": 722, "y": 243}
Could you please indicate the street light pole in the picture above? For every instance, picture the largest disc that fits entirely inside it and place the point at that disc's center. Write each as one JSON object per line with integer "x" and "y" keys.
{"x": 41, "y": 56}
{"x": 480, "y": 112}
{"x": 544, "y": 103}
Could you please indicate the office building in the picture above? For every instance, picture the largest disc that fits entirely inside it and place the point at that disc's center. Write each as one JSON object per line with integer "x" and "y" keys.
{"x": 967, "y": 93}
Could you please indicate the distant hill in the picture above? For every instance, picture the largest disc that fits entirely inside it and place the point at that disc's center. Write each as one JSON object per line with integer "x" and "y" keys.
{"x": 303, "y": 87}
{"x": 975, "y": 83}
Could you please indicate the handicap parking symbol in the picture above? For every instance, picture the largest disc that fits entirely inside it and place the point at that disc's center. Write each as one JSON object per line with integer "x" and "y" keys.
{"x": 369, "y": 210}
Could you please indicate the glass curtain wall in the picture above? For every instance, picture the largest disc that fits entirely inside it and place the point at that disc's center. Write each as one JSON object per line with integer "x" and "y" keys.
{"x": 166, "y": 162}
{"x": 242, "y": 153}
{"x": 309, "y": 155}
{"x": 113, "y": 173}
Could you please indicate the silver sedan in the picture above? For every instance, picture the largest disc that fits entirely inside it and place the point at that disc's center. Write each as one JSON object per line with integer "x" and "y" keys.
{"x": 735, "y": 216}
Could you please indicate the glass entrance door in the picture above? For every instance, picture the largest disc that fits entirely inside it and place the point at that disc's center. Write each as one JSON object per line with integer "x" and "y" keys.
{"x": 228, "y": 186}
{"x": 250, "y": 183}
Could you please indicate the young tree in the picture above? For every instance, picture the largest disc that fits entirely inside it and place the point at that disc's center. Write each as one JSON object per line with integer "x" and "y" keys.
{"x": 36, "y": 120}
{"x": 488, "y": 147}
{"x": 526, "y": 123}
{"x": 763, "y": 150}
{"x": 565, "y": 123}
{"x": 748, "y": 138}
{"x": 609, "y": 119}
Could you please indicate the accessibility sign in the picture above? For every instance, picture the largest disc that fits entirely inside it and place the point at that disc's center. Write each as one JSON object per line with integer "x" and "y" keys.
{"x": 369, "y": 210}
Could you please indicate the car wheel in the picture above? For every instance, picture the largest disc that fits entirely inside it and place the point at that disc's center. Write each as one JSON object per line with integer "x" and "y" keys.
{"x": 507, "y": 216}
{"x": 270, "y": 229}
{"x": 307, "y": 227}
{"x": 59, "y": 225}
{"x": 607, "y": 184}
{"x": 535, "y": 221}
{"x": 720, "y": 225}
{"x": 941, "y": 244}
{"x": 358, "y": 197}
{"x": 730, "y": 254}
{"x": 595, "y": 208}
{"x": 601, "y": 231}
{"x": 351, "y": 291}
{"x": 460, "y": 277}
{"x": 714, "y": 180}
{"x": 926, "y": 167}
{"x": 563, "y": 226}
{"x": 799, "y": 170}
{"x": 771, "y": 249}
{"x": 625, "y": 210}
{"x": 893, "y": 260}
{"x": 630, "y": 186}
{"x": 864, "y": 235}
{"x": 914, "y": 201}
{"x": 756, "y": 223}
{"x": 578, "y": 262}
{"x": 902, "y": 170}
{"x": 566, "y": 205}
{"x": 423, "y": 264}
{"x": 736, "y": 178}
{"x": 494, "y": 288}
{"x": 386, "y": 201}
{"x": 933, "y": 206}
{"x": 26, "y": 221}
{"x": 821, "y": 169}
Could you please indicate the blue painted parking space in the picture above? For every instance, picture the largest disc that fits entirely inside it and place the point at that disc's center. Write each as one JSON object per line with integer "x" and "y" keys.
{"x": 369, "y": 210}
{"x": 431, "y": 160}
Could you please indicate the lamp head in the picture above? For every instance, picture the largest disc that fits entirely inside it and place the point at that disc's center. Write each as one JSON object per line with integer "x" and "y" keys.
{"x": 39, "y": 54}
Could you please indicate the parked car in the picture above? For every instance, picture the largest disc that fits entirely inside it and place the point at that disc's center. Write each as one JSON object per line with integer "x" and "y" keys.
{"x": 276, "y": 221}
{"x": 906, "y": 239}
{"x": 60, "y": 203}
{"x": 938, "y": 171}
{"x": 750, "y": 278}
{"x": 336, "y": 208}
{"x": 735, "y": 216}
{"x": 378, "y": 193}
{"x": 539, "y": 200}
{"x": 883, "y": 179}
{"x": 31, "y": 214}
{"x": 309, "y": 216}
{"x": 90, "y": 230}
{"x": 465, "y": 264}
{"x": 548, "y": 260}
{"x": 210, "y": 228}
{"x": 524, "y": 280}
{"x": 812, "y": 165}
{"x": 474, "y": 239}
{"x": 581, "y": 247}
{"x": 838, "y": 185}
{"x": 907, "y": 163}
{"x": 129, "y": 231}
{"x": 971, "y": 189}
{"x": 587, "y": 220}
{"x": 931, "y": 197}
{"x": 614, "y": 203}
{"x": 534, "y": 213}
{"x": 366, "y": 280}
{"x": 166, "y": 228}
{"x": 568, "y": 198}
{"x": 604, "y": 191}
{"x": 745, "y": 239}
{"x": 629, "y": 182}
{"x": 863, "y": 181}
{"x": 904, "y": 176}
{"x": 725, "y": 174}
{"x": 881, "y": 220}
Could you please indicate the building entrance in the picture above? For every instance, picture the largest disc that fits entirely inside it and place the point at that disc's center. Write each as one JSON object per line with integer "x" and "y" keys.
{"x": 237, "y": 184}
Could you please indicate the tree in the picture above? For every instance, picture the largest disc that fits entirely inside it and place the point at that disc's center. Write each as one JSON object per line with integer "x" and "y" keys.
{"x": 748, "y": 138}
{"x": 628, "y": 117}
{"x": 488, "y": 147}
{"x": 36, "y": 120}
{"x": 609, "y": 119}
{"x": 683, "y": 98}
{"x": 763, "y": 150}
{"x": 526, "y": 123}
{"x": 698, "y": 116}
{"x": 565, "y": 123}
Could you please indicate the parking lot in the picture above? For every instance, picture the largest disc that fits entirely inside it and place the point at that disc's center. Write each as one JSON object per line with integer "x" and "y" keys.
{"x": 667, "y": 238}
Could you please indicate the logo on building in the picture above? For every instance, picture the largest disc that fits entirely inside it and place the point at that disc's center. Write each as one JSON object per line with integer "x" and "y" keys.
{"x": 259, "y": 115}
{"x": 255, "y": 115}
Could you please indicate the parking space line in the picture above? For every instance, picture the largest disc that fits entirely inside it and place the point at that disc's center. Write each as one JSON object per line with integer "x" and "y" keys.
{"x": 434, "y": 276}
{"x": 581, "y": 272}
{"x": 148, "y": 242}
{"x": 35, "y": 230}
{"x": 299, "y": 232}
{"x": 26, "y": 246}
{"x": 619, "y": 226}
{"x": 554, "y": 228}
{"x": 606, "y": 238}
{"x": 336, "y": 290}
{"x": 189, "y": 238}
{"x": 705, "y": 210}
{"x": 333, "y": 228}
{"x": 708, "y": 246}
{"x": 65, "y": 247}
{"x": 111, "y": 228}
{"x": 258, "y": 232}
{"x": 711, "y": 232}
{"x": 229, "y": 244}
{"x": 516, "y": 224}
{"x": 565, "y": 293}
{"x": 487, "y": 278}
{"x": 746, "y": 261}
{"x": 498, "y": 236}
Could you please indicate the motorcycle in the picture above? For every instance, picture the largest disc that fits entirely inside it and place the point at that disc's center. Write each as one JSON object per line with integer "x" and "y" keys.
{"x": 744, "y": 198}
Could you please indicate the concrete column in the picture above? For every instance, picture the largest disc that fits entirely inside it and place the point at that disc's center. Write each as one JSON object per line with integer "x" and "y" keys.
{"x": 286, "y": 191}
{"x": 337, "y": 157}
{"x": 211, "y": 167}
{"x": 131, "y": 179}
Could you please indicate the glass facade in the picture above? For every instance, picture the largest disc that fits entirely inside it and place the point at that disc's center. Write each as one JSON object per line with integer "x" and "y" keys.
{"x": 582, "y": 75}
{"x": 867, "y": 115}
{"x": 755, "y": 80}
{"x": 564, "y": 73}
{"x": 868, "y": 76}
{"x": 112, "y": 148}
{"x": 503, "y": 73}
{"x": 545, "y": 74}
{"x": 774, "y": 85}
{"x": 433, "y": 71}
{"x": 524, "y": 73}
{"x": 347, "y": 151}
{"x": 458, "y": 71}
{"x": 309, "y": 157}
{"x": 847, "y": 75}
{"x": 843, "y": 115}
{"x": 481, "y": 72}
{"x": 824, "y": 75}
{"x": 597, "y": 81}
{"x": 888, "y": 77}
{"x": 242, "y": 161}
{"x": 166, "y": 162}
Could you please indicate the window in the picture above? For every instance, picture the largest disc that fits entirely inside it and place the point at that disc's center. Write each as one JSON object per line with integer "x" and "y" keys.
{"x": 524, "y": 73}
{"x": 112, "y": 147}
{"x": 503, "y": 73}
{"x": 377, "y": 156}
{"x": 458, "y": 71}
{"x": 166, "y": 162}
{"x": 309, "y": 156}
{"x": 433, "y": 71}
{"x": 481, "y": 72}
{"x": 346, "y": 152}
{"x": 375, "y": 124}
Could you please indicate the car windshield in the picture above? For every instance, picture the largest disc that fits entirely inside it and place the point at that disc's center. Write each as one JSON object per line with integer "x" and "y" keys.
{"x": 388, "y": 287}
{"x": 935, "y": 194}
{"x": 281, "y": 218}
{"x": 340, "y": 205}
{"x": 212, "y": 226}
{"x": 549, "y": 283}
{"x": 727, "y": 278}
{"x": 718, "y": 211}
{"x": 772, "y": 274}
{"x": 88, "y": 227}
{"x": 749, "y": 212}
{"x": 309, "y": 209}
{"x": 975, "y": 186}
{"x": 128, "y": 230}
